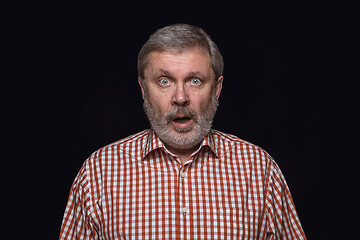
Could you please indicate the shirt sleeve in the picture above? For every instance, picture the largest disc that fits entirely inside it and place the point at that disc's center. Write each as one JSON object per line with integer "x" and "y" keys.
{"x": 282, "y": 219}
{"x": 78, "y": 222}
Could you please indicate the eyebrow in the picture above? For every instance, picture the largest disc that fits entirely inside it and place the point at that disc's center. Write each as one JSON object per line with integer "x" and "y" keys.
{"x": 190, "y": 74}
{"x": 164, "y": 72}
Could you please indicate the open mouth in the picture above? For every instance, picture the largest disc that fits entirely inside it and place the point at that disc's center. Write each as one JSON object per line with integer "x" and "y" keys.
{"x": 181, "y": 119}
{"x": 182, "y": 122}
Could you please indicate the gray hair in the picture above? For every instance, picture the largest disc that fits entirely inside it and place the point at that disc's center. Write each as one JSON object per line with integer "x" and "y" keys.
{"x": 178, "y": 37}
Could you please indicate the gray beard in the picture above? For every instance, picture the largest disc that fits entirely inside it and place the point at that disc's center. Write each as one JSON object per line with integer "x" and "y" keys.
{"x": 182, "y": 139}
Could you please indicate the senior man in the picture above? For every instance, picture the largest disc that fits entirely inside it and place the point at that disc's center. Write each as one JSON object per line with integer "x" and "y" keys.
{"x": 180, "y": 179}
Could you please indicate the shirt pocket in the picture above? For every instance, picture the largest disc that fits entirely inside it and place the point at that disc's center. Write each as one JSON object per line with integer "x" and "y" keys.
{"x": 229, "y": 223}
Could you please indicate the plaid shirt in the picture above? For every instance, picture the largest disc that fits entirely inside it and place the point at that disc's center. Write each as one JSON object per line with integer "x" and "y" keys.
{"x": 136, "y": 189}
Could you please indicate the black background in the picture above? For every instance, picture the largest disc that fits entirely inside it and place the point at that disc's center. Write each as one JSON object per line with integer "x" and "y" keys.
{"x": 285, "y": 90}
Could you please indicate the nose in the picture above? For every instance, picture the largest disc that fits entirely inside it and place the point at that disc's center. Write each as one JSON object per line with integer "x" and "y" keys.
{"x": 180, "y": 97}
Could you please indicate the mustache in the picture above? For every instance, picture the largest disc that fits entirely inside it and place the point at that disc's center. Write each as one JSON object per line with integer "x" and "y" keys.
{"x": 181, "y": 111}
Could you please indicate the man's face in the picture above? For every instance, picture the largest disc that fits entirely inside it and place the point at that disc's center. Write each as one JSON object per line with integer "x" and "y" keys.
{"x": 180, "y": 96}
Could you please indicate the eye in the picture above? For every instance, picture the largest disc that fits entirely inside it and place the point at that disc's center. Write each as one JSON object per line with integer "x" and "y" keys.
{"x": 164, "y": 81}
{"x": 195, "y": 81}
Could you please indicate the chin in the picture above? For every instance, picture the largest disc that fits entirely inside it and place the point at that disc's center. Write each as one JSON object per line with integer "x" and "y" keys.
{"x": 182, "y": 131}
{"x": 181, "y": 138}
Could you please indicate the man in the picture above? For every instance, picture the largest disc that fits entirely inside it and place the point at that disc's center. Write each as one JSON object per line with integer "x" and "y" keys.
{"x": 180, "y": 179}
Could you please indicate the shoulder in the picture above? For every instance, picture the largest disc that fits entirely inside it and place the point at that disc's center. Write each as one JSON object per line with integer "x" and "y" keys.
{"x": 128, "y": 146}
{"x": 229, "y": 137}
{"x": 246, "y": 155}
{"x": 231, "y": 146}
{"x": 123, "y": 151}
{"x": 134, "y": 139}
{"x": 232, "y": 141}
{"x": 111, "y": 158}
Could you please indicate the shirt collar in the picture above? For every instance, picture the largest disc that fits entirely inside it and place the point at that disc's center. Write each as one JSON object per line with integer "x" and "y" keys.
{"x": 153, "y": 142}
{"x": 209, "y": 141}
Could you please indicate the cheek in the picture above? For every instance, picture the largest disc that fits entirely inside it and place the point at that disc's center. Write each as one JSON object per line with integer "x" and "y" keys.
{"x": 160, "y": 103}
{"x": 202, "y": 103}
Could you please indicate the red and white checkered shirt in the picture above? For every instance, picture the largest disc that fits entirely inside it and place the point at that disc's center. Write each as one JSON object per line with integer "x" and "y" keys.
{"x": 136, "y": 189}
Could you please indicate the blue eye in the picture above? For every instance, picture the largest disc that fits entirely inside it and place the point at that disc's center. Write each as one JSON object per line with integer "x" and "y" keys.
{"x": 195, "y": 81}
{"x": 164, "y": 81}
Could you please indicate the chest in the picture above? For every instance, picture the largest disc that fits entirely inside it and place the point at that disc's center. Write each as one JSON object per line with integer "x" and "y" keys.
{"x": 205, "y": 201}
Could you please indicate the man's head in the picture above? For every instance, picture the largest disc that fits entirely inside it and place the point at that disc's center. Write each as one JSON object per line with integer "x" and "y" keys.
{"x": 180, "y": 74}
{"x": 176, "y": 38}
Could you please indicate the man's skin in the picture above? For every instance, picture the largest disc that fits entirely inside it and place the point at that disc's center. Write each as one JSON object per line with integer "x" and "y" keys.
{"x": 183, "y": 78}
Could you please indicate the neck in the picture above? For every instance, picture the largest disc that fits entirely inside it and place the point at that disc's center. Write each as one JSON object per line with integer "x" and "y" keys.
{"x": 184, "y": 154}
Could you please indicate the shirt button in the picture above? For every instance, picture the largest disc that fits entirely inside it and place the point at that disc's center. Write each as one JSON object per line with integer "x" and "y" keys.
{"x": 183, "y": 174}
{"x": 184, "y": 210}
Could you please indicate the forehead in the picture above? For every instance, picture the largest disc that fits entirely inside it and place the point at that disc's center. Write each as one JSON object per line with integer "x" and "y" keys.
{"x": 178, "y": 62}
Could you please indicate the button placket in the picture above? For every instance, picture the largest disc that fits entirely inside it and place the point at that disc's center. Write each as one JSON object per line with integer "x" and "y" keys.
{"x": 184, "y": 191}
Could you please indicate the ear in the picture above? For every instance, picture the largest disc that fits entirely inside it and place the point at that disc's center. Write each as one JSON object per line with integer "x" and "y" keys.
{"x": 218, "y": 86}
{"x": 142, "y": 87}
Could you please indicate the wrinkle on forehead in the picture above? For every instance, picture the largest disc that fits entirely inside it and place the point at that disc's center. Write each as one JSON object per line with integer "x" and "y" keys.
{"x": 193, "y": 61}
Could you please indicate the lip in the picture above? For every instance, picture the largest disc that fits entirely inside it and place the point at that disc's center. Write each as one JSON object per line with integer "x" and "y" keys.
{"x": 182, "y": 125}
